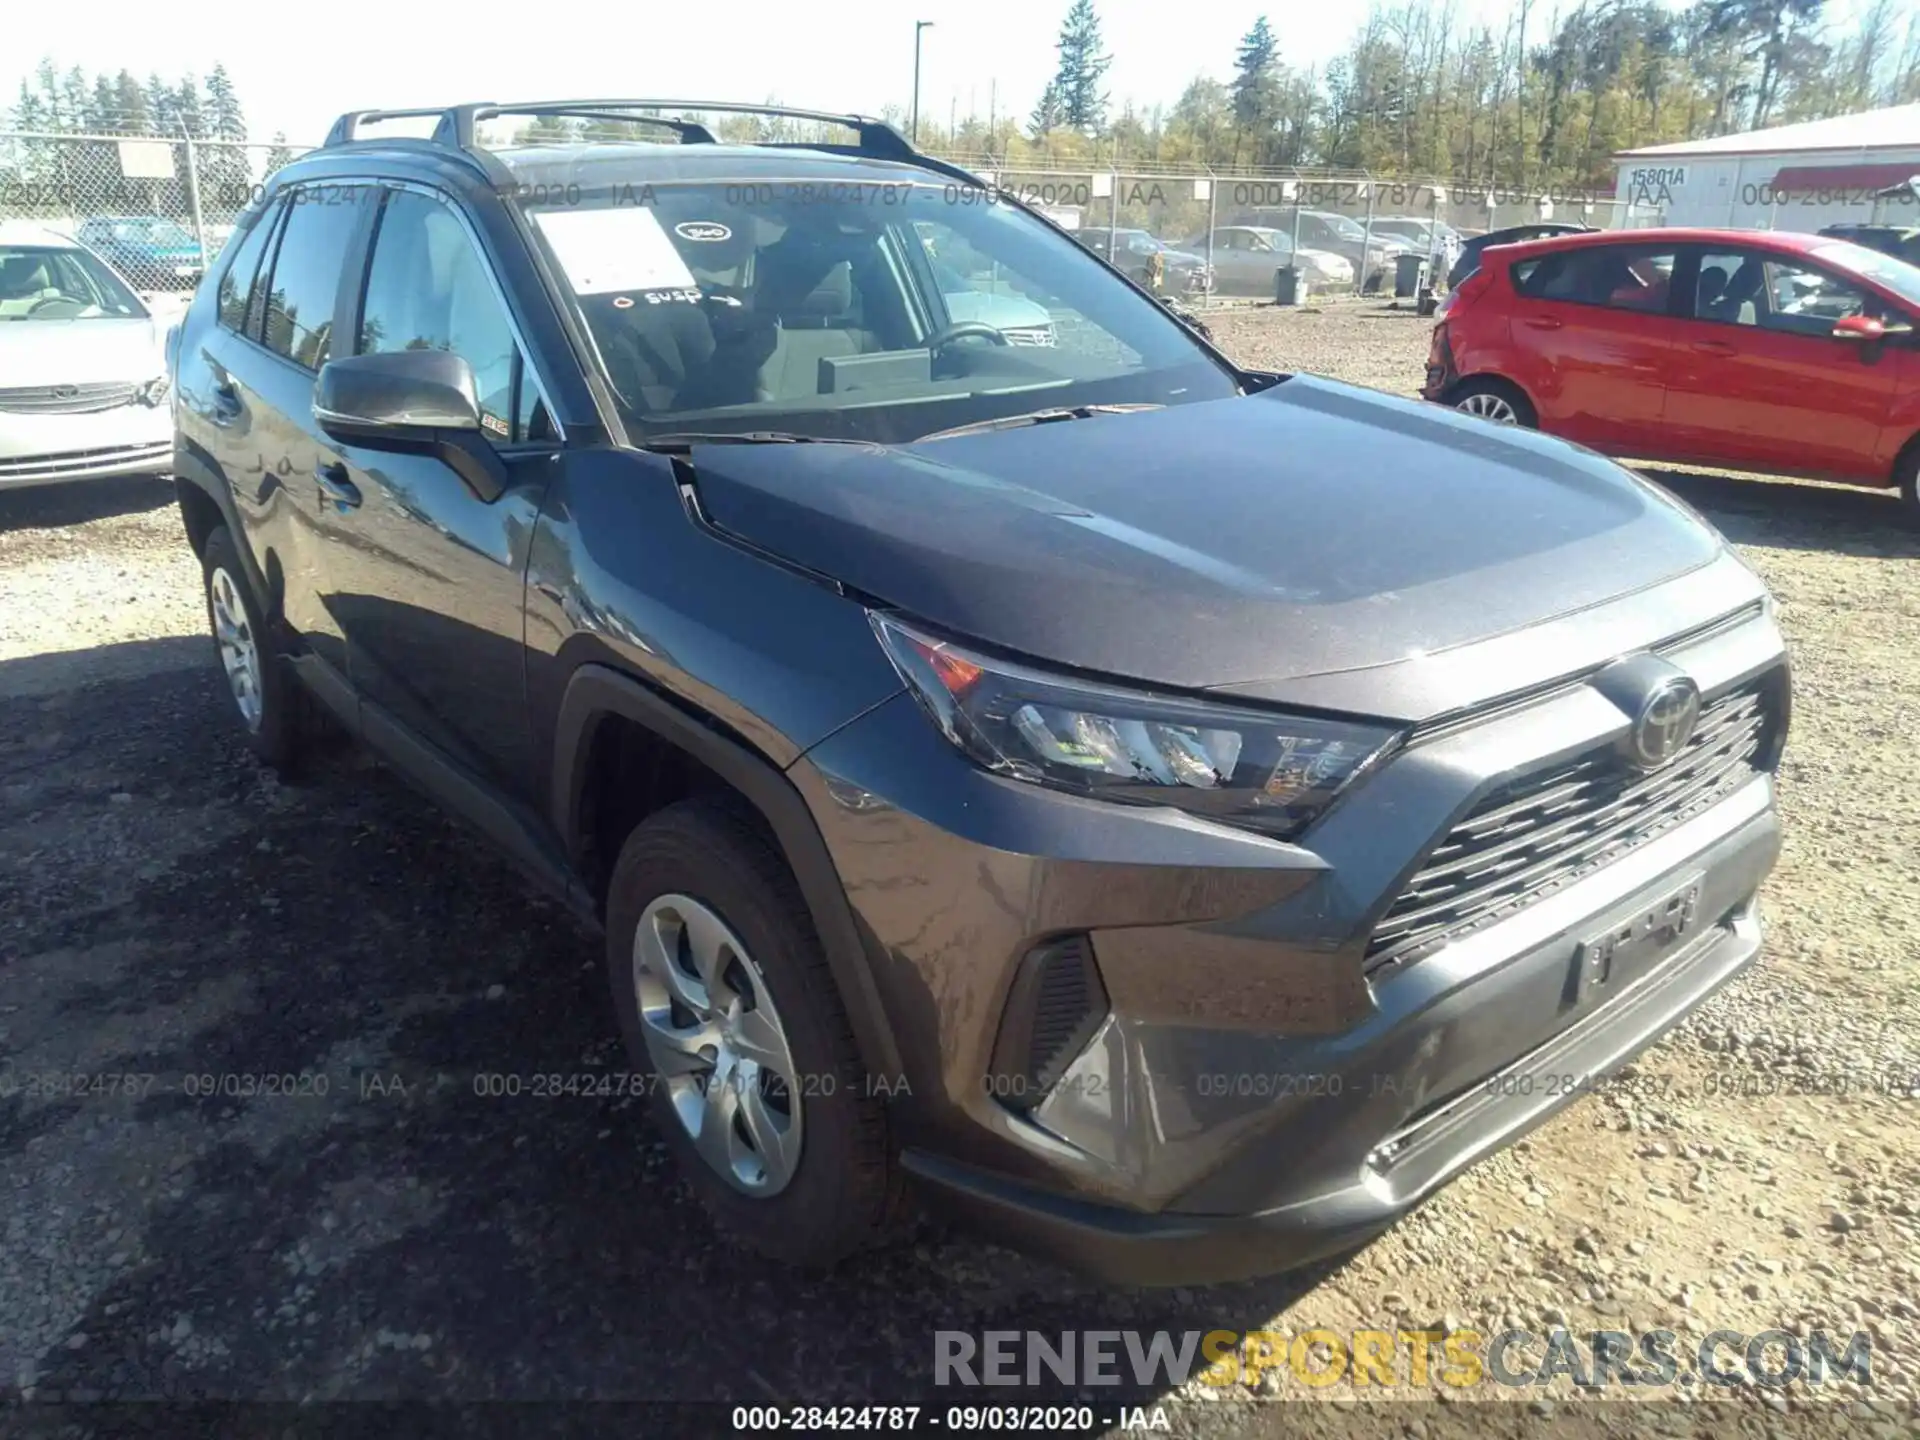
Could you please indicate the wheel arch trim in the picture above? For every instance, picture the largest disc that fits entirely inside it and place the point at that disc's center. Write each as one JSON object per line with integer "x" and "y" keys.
{"x": 596, "y": 692}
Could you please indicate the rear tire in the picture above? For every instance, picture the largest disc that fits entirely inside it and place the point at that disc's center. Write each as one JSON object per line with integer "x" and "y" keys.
{"x": 1497, "y": 401}
{"x": 725, "y": 996}
{"x": 1906, "y": 474}
{"x": 268, "y": 702}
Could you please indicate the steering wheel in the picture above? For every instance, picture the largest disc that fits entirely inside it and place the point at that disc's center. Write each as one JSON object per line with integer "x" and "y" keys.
{"x": 39, "y": 305}
{"x": 965, "y": 330}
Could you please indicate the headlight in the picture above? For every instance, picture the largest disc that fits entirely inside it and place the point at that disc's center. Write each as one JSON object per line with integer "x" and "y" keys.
{"x": 1268, "y": 772}
{"x": 153, "y": 392}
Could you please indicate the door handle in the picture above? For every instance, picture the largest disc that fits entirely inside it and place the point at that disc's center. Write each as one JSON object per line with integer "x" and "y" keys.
{"x": 336, "y": 487}
{"x": 226, "y": 403}
{"x": 1543, "y": 322}
{"x": 1714, "y": 347}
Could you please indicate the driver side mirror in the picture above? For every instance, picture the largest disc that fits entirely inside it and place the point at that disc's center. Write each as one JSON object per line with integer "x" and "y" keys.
{"x": 421, "y": 402}
{"x": 1862, "y": 328}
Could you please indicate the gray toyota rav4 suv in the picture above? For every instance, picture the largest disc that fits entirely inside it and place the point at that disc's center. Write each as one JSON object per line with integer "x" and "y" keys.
{"x": 1175, "y": 816}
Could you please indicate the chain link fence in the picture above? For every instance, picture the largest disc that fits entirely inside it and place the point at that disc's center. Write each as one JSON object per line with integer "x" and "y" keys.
{"x": 1239, "y": 228}
{"x": 157, "y": 208}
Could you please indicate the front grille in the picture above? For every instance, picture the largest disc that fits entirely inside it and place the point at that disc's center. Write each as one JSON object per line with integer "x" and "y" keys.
{"x": 79, "y": 462}
{"x": 66, "y": 399}
{"x": 1536, "y": 833}
{"x": 1030, "y": 335}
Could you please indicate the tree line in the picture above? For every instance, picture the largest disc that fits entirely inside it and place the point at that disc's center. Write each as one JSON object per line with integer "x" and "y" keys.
{"x": 1542, "y": 97}
{"x": 44, "y": 172}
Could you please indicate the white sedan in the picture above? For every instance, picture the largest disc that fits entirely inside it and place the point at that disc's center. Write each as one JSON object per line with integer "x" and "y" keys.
{"x": 83, "y": 374}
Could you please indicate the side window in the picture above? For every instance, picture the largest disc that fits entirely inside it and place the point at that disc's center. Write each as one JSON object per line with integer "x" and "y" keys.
{"x": 1804, "y": 301}
{"x": 306, "y": 273}
{"x": 1729, "y": 288}
{"x": 429, "y": 289}
{"x": 1619, "y": 277}
{"x": 237, "y": 280}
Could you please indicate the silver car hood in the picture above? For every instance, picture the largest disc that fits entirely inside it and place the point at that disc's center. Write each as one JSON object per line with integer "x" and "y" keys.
{"x": 78, "y": 352}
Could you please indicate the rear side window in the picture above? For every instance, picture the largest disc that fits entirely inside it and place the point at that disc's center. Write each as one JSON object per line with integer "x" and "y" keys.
{"x": 237, "y": 281}
{"x": 306, "y": 273}
{"x": 1618, "y": 277}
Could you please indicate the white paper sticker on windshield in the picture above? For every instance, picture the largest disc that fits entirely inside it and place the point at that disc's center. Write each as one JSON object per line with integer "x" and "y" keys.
{"x": 622, "y": 248}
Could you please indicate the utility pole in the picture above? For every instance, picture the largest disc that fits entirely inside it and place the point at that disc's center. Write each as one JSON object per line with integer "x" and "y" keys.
{"x": 918, "y": 26}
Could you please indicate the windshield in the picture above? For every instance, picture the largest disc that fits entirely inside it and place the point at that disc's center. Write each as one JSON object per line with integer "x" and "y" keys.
{"x": 1346, "y": 229}
{"x": 847, "y": 311}
{"x": 46, "y": 282}
{"x": 1888, "y": 270}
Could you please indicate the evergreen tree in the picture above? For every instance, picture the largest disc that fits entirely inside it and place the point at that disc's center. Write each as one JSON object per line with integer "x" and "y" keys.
{"x": 1047, "y": 114}
{"x": 225, "y": 121}
{"x": 1256, "y": 89}
{"x": 1076, "y": 84}
{"x": 189, "y": 113}
{"x": 130, "y": 104}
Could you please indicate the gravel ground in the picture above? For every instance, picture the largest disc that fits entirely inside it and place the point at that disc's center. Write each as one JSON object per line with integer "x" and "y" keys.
{"x": 168, "y": 910}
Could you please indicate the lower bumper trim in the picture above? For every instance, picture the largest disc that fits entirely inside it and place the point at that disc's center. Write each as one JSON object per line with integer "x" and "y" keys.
{"x": 1176, "y": 1248}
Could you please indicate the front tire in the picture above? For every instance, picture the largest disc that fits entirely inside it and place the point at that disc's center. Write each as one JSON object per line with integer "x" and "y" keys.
{"x": 725, "y": 996}
{"x": 1496, "y": 401}
{"x": 266, "y": 698}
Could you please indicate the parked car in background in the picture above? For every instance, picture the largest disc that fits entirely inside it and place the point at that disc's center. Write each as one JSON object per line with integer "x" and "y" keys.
{"x": 1132, "y": 251}
{"x": 153, "y": 253}
{"x": 1436, "y": 239}
{"x": 1246, "y": 258}
{"x": 1471, "y": 248}
{"x": 974, "y": 756}
{"x": 83, "y": 376}
{"x": 1340, "y": 234}
{"x": 1900, "y": 241}
{"x": 1757, "y": 350}
{"x": 1019, "y": 319}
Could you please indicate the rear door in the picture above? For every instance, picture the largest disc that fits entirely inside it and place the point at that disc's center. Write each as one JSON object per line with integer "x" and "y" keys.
{"x": 302, "y": 298}
{"x": 1592, "y": 337}
{"x": 1758, "y": 381}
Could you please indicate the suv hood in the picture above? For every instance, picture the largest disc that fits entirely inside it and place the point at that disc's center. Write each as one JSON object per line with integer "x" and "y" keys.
{"x": 1308, "y": 529}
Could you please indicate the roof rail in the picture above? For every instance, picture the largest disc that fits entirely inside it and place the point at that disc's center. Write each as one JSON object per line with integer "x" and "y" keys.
{"x": 458, "y": 123}
{"x": 346, "y": 129}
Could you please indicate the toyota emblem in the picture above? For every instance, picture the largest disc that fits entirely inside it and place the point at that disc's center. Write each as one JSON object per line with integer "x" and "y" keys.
{"x": 65, "y": 392}
{"x": 1661, "y": 704}
{"x": 1665, "y": 723}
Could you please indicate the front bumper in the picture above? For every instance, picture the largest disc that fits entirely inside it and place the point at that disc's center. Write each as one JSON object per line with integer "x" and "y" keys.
{"x": 1341, "y": 1167}
{"x": 39, "y": 449}
{"x": 1251, "y": 1097}
{"x": 103, "y": 463}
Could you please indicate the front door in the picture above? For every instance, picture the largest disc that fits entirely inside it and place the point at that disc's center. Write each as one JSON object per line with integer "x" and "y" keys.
{"x": 429, "y": 580}
{"x": 1759, "y": 381}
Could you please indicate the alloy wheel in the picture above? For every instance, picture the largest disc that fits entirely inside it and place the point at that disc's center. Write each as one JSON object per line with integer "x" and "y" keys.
{"x": 1489, "y": 406}
{"x": 239, "y": 648}
{"x": 717, "y": 1044}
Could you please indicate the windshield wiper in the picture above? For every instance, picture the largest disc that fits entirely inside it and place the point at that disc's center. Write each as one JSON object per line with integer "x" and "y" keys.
{"x": 1039, "y": 417}
{"x": 681, "y": 441}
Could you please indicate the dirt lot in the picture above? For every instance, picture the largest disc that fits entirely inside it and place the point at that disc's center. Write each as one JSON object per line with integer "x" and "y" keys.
{"x": 169, "y": 911}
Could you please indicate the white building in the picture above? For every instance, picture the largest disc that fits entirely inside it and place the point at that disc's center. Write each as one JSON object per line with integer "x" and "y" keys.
{"x": 1790, "y": 177}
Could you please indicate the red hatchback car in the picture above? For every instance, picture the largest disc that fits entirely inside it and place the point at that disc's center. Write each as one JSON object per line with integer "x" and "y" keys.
{"x": 1755, "y": 350}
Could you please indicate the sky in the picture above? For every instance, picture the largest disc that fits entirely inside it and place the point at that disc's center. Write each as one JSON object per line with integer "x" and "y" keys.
{"x": 840, "y": 55}
{"x": 295, "y": 75}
